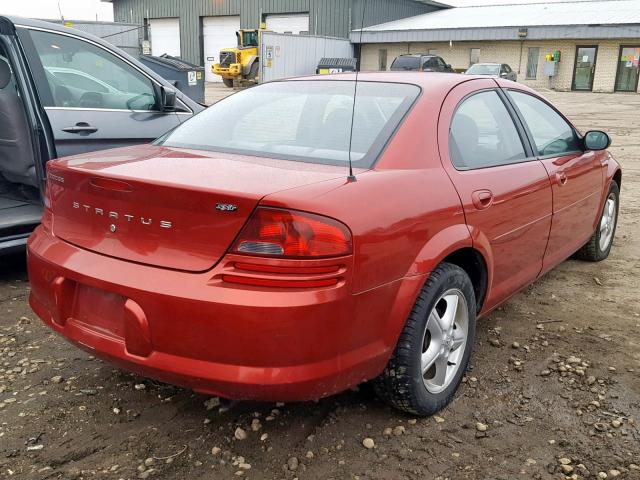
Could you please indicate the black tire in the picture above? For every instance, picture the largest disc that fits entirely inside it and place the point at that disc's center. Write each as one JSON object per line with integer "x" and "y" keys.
{"x": 592, "y": 251}
{"x": 228, "y": 82}
{"x": 253, "y": 71}
{"x": 401, "y": 384}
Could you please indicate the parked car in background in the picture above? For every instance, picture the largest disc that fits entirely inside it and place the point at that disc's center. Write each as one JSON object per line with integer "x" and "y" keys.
{"x": 64, "y": 92}
{"x": 501, "y": 70}
{"x": 247, "y": 264}
{"x": 420, "y": 63}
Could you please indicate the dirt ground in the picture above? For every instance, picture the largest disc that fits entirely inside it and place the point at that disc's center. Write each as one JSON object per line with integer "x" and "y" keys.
{"x": 554, "y": 378}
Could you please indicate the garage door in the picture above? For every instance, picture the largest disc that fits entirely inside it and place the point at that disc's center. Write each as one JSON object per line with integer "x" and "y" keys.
{"x": 293, "y": 23}
{"x": 164, "y": 34}
{"x": 217, "y": 33}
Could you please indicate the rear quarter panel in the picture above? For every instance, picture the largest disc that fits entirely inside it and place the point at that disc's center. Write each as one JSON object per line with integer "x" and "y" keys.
{"x": 404, "y": 214}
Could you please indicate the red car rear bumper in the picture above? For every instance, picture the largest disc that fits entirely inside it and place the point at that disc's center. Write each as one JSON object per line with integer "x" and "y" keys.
{"x": 195, "y": 330}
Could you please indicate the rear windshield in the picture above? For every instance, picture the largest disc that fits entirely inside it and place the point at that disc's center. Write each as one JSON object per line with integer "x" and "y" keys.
{"x": 308, "y": 121}
{"x": 479, "y": 69}
{"x": 406, "y": 63}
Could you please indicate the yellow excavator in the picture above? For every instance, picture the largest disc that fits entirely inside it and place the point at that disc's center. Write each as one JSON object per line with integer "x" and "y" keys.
{"x": 241, "y": 63}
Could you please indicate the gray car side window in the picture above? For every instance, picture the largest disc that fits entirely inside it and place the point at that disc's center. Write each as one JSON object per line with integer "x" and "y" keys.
{"x": 121, "y": 86}
{"x": 482, "y": 134}
{"x": 430, "y": 62}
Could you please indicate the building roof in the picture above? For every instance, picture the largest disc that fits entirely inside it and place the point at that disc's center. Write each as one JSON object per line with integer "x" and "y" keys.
{"x": 587, "y": 19}
{"x": 434, "y": 3}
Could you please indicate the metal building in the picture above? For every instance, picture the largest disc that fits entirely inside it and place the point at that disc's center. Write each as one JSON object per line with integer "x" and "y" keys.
{"x": 196, "y": 30}
{"x": 125, "y": 36}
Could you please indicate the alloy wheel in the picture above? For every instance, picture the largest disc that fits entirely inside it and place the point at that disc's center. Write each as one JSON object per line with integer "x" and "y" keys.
{"x": 608, "y": 222}
{"x": 444, "y": 341}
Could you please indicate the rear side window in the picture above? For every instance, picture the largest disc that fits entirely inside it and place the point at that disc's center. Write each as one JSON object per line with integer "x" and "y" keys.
{"x": 431, "y": 62}
{"x": 482, "y": 134}
{"x": 82, "y": 75}
{"x": 406, "y": 63}
{"x": 552, "y": 135}
{"x": 301, "y": 120}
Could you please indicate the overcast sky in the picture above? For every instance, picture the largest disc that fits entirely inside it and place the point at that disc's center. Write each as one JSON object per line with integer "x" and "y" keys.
{"x": 92, "y": 9}
{"x": 71, "y": 9}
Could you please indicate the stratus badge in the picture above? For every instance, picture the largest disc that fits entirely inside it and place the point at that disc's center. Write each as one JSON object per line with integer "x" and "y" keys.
{"x": 118, "y": 216}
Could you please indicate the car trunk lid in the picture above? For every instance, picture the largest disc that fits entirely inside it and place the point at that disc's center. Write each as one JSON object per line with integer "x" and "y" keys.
{"x": 166, "y": 207}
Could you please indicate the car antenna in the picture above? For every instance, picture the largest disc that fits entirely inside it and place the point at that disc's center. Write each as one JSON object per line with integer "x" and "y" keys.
{"x": 352, "y": 177}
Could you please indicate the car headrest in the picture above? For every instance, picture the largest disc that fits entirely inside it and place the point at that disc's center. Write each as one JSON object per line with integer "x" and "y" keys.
{"x": 5, "y": 74}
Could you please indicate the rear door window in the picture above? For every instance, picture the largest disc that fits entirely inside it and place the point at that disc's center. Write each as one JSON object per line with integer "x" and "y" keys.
{"x": 483, "y": 134}
{"x": 301, "y": 120}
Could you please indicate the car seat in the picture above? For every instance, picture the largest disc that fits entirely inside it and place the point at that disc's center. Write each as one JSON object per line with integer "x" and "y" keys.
{"x": 16, "y": 155}
{"x": 465, "y": 139}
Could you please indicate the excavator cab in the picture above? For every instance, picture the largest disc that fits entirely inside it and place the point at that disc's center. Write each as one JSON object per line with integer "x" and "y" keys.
{"x": 247, "y": 38}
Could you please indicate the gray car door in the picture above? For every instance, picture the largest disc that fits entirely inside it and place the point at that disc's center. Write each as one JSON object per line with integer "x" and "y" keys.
{"x": 94, "y": 98}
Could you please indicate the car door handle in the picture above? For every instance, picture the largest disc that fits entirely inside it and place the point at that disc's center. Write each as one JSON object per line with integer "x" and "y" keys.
{"x": 81, "y": 128}
{"x": 561, "y": 178}
{"x": 482, "y": 199}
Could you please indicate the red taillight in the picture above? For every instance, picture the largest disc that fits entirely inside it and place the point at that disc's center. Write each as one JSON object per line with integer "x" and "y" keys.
{"x": 280, "y": 233}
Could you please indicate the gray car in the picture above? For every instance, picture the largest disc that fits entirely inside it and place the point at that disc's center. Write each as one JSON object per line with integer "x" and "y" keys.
{"x": 420, "y": 62}
{"x": 64, "y": 92}
{"x": 501, "y": 70}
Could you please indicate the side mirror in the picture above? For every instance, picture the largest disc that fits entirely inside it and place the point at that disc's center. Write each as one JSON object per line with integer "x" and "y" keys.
{"x": 596, "y": 140}
{"x": 503, "y": 75}
{"x": 449, "y": 66}
{"x": 167, "y": 99}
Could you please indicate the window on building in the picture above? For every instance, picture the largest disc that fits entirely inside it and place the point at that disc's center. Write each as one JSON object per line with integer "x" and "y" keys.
{"x": 474, "y": 56}
{"x": 532, "y": 63}
{"x": 382, "y": 59}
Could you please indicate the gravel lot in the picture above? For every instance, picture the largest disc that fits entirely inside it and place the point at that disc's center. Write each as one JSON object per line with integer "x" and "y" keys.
{"x": 554, "y": 387}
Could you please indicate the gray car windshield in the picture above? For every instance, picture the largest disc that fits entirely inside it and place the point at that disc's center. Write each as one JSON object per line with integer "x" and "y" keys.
{"x": 308, "y": 121}
{"x": 479, "y": 69}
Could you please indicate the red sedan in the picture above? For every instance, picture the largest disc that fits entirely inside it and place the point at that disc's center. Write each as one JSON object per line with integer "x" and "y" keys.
{"x": 236, "y": 256}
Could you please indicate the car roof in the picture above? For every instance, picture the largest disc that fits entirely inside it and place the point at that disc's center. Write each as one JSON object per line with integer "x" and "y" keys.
{"x": 30, "y": 22}
{"x": 488, "y": 63}
{"x": 433, "y": 82}
{"x": 426, "y": 80}
{"x": 417, "y": 55}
